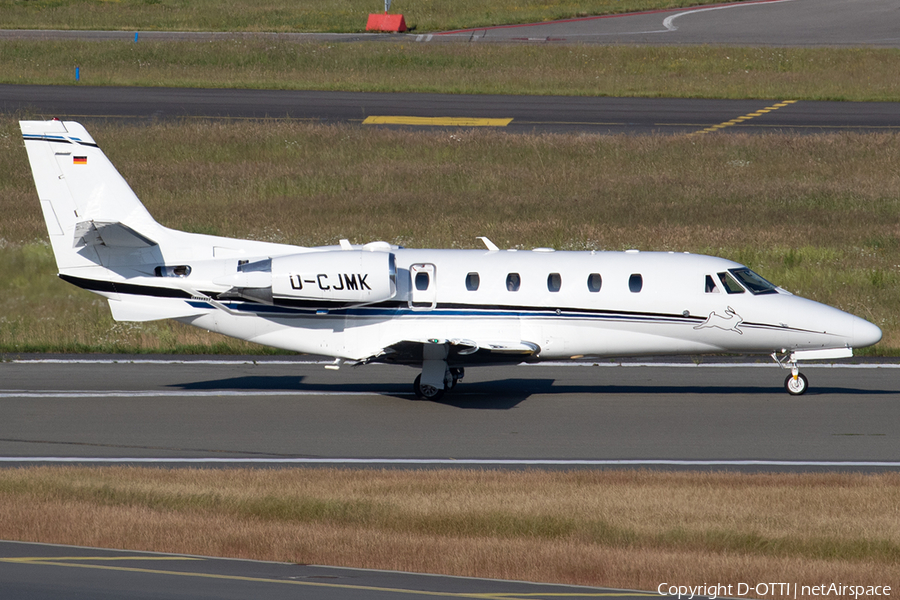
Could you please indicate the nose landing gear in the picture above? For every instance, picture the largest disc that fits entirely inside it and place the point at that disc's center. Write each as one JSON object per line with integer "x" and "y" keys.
{"x": 796, "y": 383}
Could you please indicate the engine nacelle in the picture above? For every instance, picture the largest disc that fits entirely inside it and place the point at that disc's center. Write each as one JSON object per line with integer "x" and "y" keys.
{"x": 344, "y": 277}
{"x": 316, "y": 279}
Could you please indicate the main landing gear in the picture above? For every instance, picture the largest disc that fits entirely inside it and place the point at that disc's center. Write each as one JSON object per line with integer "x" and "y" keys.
{"x": 425, "y": 391}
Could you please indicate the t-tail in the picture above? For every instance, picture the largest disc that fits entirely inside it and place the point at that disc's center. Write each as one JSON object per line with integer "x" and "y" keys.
{"x": 92, "y": 215}
{"x": 103, "y": 238}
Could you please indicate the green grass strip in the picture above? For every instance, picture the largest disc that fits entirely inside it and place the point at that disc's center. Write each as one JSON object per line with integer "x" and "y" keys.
{"x": 331, "y": 16}
{"x": 686, "y": 72}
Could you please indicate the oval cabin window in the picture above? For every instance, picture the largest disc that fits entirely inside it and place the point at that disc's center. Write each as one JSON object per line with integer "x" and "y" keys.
{"x": 472, "y": 281}
{"x": 635, "y": 283}
{"x": 554, "y": 282}
{"x": 513, "y": 281}
{"x": 595, "y": 282}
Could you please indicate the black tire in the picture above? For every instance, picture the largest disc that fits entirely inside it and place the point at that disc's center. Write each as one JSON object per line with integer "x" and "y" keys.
{"x": 426, "y": 392}
{"x": 798, "y": 387}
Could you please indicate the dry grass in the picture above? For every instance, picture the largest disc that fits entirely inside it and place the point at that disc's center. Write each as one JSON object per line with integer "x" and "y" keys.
{"x": 615, "y": 528}
{"x": 819, "y": 215}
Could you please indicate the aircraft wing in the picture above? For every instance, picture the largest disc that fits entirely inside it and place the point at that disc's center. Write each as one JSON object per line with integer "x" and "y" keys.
{"x": 459, "y": 351}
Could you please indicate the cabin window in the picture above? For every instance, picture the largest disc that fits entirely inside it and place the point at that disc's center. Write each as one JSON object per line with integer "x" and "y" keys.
{"x": 472, "y": 281}
{"x": 731, "y": 286}
{"x": 422, "y": 281}
{"x": 711, "y": 287}
{"x": 179, "y": 271}
{"x": 513, "y": 281}
{"x": 594, "y": 282}
{"x": 753, "y": 282}
{"x": 636, "y": 283}
{"x": 554, "y": 282}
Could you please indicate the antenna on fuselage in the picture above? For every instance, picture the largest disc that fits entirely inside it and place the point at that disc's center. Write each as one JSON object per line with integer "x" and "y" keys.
{"x": 487, "y": 243}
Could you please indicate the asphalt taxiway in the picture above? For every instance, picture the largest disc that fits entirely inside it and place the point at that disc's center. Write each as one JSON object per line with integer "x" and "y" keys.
{"x": 39, "y": 571}
{"x": 522, "y": 114}
{"x": 748, "y": 23}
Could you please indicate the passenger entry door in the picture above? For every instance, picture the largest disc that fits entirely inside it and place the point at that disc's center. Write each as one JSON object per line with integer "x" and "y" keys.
{"x": 422, "y": 286}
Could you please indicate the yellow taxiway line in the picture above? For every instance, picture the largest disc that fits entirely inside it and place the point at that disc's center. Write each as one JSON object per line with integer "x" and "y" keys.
{"x": 78, "y": 562}
{"x": 438, "y": 121}
{"x": 747, "y": 117}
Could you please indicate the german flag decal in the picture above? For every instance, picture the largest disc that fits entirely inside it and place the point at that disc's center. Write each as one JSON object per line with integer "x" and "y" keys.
{"x": 79, "y": 160}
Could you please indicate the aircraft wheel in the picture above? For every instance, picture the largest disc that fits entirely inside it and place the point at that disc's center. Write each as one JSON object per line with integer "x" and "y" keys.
{"x": 798, "y": 386}
{"x": 426, "y": 392}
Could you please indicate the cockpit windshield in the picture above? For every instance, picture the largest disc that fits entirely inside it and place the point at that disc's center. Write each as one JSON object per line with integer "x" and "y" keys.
{"x": 753, "y": 282}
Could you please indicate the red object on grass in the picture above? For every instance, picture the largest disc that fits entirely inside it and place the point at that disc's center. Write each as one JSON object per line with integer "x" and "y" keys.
{"x": 386, "y": 22}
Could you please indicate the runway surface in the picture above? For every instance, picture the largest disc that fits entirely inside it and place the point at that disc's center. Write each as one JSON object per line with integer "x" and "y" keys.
{"x": 521, "y": 113}
{"x": 40, "y": 571}
{"x": 562, "y": 416}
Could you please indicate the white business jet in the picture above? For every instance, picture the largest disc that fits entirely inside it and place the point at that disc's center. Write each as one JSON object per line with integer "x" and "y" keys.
{"x": 441, "y": 310}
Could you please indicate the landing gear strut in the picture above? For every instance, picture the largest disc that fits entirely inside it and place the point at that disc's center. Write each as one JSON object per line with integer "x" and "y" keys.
{"x": 796, "y": 383}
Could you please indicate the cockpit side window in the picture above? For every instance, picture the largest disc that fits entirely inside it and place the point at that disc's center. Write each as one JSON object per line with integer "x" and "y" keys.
{"x": 711, "y": 287}
{"x": 731, "y": 286}
{"x": 753, "y": 282}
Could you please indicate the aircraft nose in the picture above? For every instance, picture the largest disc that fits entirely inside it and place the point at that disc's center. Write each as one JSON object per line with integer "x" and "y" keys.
{"x": 865, "y": 333}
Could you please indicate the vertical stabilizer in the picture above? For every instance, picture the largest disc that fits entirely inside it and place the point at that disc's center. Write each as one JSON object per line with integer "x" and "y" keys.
{"x": 80, "y": 191}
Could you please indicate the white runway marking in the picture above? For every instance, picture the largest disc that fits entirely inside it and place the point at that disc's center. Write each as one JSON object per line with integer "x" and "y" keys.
{"x": 667, "y": 22}
{"x": 181, "y": 394}
{"x": 460, "y": 462}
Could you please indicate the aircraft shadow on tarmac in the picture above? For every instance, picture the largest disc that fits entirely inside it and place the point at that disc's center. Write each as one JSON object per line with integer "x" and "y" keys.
{"x": 504, "y": 394}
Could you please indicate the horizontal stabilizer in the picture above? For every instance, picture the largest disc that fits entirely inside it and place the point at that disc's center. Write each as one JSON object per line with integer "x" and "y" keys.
{"x": 113, "y": 235}
{"x": 154, "y": 309}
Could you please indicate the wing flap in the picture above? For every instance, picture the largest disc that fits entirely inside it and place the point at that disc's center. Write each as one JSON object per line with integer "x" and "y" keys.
{"x": 460, "y": 351}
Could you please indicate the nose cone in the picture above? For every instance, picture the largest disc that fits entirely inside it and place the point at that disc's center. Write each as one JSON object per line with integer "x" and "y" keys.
{"x": 817, "y": 325}
{"x": 864, "y": 333}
